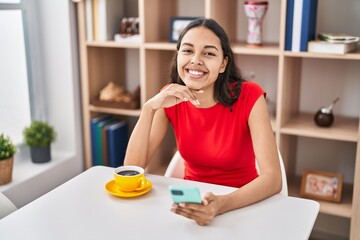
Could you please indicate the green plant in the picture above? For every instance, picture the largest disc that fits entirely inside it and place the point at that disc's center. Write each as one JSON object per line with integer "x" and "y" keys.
{"x": 39, "y": 134}
{"x": 7, "y": 148}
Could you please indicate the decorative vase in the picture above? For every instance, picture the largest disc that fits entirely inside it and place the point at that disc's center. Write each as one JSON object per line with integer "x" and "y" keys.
{"x": 40, "y": 154}
{"x": 255, "y": 12}
{"x": 6, "y": 167}
{"x": 324, "y": 117}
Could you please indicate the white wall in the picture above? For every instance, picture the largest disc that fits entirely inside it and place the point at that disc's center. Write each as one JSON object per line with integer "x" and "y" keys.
{"x": 57, "y": 43}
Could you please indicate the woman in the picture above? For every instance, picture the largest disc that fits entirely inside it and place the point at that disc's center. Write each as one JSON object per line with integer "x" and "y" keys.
{"x": 221, "y": 124}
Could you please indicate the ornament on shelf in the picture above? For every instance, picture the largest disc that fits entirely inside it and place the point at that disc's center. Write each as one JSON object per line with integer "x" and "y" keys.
{"x": 324, "y": 117}
{"x": 255, "y": 12}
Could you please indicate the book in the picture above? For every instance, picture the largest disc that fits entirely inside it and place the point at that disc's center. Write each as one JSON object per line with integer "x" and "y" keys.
{"x": 95, "y": 15}
{"x": 89, "y": 20}
{"x": 308, "y": 23}
{"x": 327, "y": 47}
{"x": 104, "y": 142}
{"x": 109, "y": 14}
{"x": 296, "y": 28}
{"x": 93, "y": 122}
{"x": 338, "y": 38}
{"x": 117, "y": 139}
{"x": 289, "y": 24}
{"x": 99, "y": 141}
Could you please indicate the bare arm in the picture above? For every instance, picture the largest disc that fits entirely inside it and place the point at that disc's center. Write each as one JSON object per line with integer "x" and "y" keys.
{"x": 152, "y": 125}
{"x": 146, "y": 136}
{"x": 269, "y": 181}
{"x": 267, "y": 184}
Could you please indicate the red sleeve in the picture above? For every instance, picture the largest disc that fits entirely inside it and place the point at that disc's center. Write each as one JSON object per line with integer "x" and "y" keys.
{"x": 250, "y": 93}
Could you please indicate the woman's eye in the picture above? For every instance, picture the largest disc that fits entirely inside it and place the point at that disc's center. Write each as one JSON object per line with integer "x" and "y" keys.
{"x": 209, "y": 54}
{"x": 186, "y": 51}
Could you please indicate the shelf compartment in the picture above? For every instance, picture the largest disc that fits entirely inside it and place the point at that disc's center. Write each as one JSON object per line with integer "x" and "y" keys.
{"x": 269, "y": 49}
{"x": 161, "y": 46}
{"x": 343, "y": 129}
{"x": 347, "y": 56}
{"x": 157, "y": 17}
{"x": 342, "y": 209}
{"x": 112, "y": 65}
{"x": 113, "y": 44}
{"x": 116, "y": 111}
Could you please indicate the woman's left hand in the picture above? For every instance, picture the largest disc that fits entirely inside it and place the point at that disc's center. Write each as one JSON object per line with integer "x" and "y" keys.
{"x": 203, "y": 213}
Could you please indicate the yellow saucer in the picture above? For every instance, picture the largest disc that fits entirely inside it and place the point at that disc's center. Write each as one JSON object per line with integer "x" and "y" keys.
{"x": 113, "y": 189}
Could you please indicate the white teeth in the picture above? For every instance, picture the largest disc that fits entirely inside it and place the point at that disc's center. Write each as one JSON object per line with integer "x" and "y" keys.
{"x": 194, "y": 72}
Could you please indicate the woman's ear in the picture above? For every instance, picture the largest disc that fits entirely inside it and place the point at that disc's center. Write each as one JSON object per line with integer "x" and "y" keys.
{"x": 223, "y": 65}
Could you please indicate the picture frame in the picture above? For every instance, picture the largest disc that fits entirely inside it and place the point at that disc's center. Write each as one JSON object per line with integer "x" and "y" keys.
{"x": 177, "y": 25}
{"x": 321, "y": 185}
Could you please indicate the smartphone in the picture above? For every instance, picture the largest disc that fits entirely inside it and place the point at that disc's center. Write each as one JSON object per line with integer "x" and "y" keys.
{"x": 185, "y": 194}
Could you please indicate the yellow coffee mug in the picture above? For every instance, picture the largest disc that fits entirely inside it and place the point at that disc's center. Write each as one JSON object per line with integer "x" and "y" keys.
{"x": 130, "y": 178}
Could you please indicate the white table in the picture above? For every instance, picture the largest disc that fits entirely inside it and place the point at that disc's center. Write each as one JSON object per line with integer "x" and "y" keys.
{"x": 82, "y": 209}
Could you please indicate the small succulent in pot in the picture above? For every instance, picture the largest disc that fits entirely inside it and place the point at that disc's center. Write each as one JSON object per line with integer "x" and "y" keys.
{"x": 7, "y": 148}
{"x": 39, "y": 136}
{"x": 7, "y": 152}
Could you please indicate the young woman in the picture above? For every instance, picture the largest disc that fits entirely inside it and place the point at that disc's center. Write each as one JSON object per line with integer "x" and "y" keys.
{"x": 221, "y": 124}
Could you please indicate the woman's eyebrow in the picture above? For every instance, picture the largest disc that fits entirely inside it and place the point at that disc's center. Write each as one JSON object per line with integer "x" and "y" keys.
{"x": 211, "y": 46}
{"x": 188, "y": 44}
{"x": 206, "y": 46}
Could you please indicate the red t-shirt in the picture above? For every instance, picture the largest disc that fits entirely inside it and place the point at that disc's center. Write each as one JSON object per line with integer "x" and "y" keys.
{"x": 216, "y": 142}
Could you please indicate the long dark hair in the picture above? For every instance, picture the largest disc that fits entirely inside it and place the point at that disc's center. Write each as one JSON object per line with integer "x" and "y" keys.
{"x": 228, "y": 84}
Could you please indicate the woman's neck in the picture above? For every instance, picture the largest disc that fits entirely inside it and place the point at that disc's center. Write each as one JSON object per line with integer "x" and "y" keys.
{"x": 206, "y": 98}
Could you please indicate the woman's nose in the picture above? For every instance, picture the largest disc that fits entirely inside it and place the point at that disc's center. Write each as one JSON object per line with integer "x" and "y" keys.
{"x": 196, "y": 60}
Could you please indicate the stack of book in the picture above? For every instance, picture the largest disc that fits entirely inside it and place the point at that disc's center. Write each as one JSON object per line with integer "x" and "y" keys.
{"x": 338, "y": 43}
{"x": 109, "y": 139}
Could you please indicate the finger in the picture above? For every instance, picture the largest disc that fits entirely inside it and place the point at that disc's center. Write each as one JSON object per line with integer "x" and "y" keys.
{"x": 208, "y": 197}
{"x": 181, "y": 92}
{"x": 198, "y": 217}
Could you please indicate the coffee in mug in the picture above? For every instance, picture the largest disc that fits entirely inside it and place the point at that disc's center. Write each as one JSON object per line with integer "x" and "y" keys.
{"x": 130, "y": 178}
{"x": 128, "y": 173}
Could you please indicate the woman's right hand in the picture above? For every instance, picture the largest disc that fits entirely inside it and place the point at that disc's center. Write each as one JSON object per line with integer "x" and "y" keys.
{"x": 171, "y": 95}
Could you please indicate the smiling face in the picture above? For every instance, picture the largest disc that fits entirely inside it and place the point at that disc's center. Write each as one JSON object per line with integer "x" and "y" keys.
{"x": 200, "y": 59}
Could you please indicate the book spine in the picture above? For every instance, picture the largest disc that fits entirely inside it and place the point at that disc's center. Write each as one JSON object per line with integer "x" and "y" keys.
{"x": 99, "y": 160}
{"x": 308, "y": 23}
{"x": 102, "y": 20}
{"x": 296, "y": 33}
{"x": 93, "y": 137}
{"x": 104, "y": 141}
{"x": 289, "y": 24}
{"x": 89, "y": 21}
{"x": 93, "y": 141}
{"x": 95, "y": 8}
{"x": 117, "y": 143}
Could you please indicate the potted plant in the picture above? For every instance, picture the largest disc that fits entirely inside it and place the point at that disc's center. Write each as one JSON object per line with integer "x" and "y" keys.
{"x": 7, "y": 151}
{"x": 39, "y": 136}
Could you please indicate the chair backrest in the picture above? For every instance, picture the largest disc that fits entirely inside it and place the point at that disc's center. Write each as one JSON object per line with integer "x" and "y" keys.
{"x": 176, "y": 169}
{"x": 6, "y": 206}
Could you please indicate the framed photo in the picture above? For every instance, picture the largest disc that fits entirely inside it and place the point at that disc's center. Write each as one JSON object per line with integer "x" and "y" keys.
{"x": 177, "y": 25}
{"x": 321, "y": 185}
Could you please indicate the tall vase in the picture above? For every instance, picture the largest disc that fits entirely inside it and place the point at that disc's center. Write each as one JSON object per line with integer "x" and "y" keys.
{"x": 255, "y": 12}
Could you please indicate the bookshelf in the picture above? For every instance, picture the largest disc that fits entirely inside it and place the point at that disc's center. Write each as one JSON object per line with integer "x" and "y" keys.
{"x": 285, "y": 73}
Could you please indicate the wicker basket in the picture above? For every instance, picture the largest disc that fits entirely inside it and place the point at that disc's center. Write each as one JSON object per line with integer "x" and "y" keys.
{"x": 6, "y": 167}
